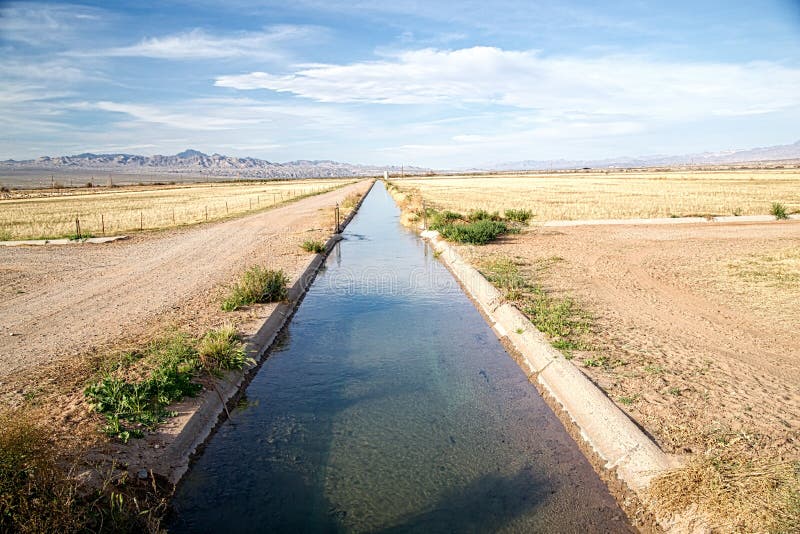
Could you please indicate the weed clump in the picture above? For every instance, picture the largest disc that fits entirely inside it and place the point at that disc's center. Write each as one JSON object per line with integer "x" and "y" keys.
{"x": 34, "y": 495}
{"x": 778, "y": 210}
{"x": 560, "y": 319}
{"x": 350, "y": 201}
{"x": 130, "y": 407}
{"x": 133, "y": 406}
{"x": 521, "y": 216}
{"x": 476, "y": 228}
{"x": 313, "y": 245}
{"x": 257, "y": 285}
{"x": 221, "y": 350}
{"x": 482, "y": 215}
{"x": 475, "y": 233}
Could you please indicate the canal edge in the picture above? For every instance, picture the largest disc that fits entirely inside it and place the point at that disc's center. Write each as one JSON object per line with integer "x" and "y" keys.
{"x": 625, "y": 457}
{"x": 167, "y": 454}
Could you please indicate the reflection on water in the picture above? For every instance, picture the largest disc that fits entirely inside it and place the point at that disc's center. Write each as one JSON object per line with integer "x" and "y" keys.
{"x": 390, "y": 406}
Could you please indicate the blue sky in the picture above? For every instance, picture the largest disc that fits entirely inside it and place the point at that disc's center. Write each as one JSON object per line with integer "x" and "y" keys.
{"x": 440, "y": 84}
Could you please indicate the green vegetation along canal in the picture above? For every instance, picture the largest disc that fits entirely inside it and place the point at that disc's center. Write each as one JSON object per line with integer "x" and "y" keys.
{"x": 390, "y": 406}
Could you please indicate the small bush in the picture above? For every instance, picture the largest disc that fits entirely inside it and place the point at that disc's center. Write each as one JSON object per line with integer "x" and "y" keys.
{"x": 4, "y": 189}
{"x": 483, "y": 215}
{"x": 520, "y": 216}
{"x": 221, "y": 350}
{"x": 257, "y": 285}
{"x": 313, "y": 246}
{"x": 779, "y": 211}
{"x": 475, "y": 233}
{"x": 5, "y": 235}
{"x": 438, "y": 220}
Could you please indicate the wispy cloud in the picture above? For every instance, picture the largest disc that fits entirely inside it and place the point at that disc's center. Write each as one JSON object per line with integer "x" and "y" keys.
{"x": 199, "y": 44}
{"x": 44, "y": 24}
{"x": 611, "y": 85}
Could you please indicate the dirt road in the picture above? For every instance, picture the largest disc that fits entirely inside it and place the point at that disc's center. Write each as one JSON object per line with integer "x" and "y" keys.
{"x": 57, "y": 302}
{"x": 698, "y": 324}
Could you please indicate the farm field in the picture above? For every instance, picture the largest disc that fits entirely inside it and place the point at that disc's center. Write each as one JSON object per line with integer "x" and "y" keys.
{"x": 615, "y": 195}
{"x": 109, "y": 211}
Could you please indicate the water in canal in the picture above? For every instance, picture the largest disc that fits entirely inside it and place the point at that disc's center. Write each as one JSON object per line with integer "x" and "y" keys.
{"x": 390, "y": 406}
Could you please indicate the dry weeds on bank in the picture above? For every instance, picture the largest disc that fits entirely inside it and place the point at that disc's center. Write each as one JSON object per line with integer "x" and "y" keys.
{"x": 110, "y": 211}
{"x": 615, "y": 195}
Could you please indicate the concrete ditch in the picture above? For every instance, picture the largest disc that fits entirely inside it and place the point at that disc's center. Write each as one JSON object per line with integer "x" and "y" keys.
{"x": 627, "y": 457}
{"x": 167, "y": 454}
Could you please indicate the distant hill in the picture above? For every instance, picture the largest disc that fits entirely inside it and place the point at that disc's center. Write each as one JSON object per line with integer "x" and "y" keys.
{"x": 771, "y": 153}
{"x": 193, "y": 162}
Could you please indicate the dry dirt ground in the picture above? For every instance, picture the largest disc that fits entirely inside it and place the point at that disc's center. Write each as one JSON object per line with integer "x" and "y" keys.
{"x": 63, "y": 302}
{"x": 699, "y": 324}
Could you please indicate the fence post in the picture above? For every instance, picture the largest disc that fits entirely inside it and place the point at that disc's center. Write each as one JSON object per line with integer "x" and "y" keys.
{"x": 77, "y": 227}
{"x": 103, "y": 224}
{"x": 424, "y": 216}
{"x": 206, "y": 213}
{"x": 336, "y": 213}
{"x": 141, "y": 221}
{"x": 226, "y": 207}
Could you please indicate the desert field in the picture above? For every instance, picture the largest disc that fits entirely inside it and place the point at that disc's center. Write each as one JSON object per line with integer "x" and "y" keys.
{"x": 615, "y": 195}
{"x": 109, "y": 211}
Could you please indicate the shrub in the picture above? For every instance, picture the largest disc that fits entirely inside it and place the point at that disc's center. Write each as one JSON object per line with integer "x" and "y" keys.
{"x": 520, "y": 216}
{"x": 779, "y": 211}
{"x": 221, "y": 350}
{"x": 475, "y": 233}
{"x": 483, "y": 215}
{"x": 257, "y": 285}
{"x": 443, "y": 218}
{"x": 313, "y": 245}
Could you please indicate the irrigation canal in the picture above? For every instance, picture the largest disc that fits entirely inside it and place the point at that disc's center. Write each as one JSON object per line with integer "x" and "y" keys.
{"x": 390, "y": 406}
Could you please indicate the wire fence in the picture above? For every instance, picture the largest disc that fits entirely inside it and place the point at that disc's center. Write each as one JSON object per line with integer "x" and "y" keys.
{"x": 49, "y": 217}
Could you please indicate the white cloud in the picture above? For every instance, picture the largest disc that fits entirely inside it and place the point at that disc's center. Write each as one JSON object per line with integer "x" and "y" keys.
{"x": 628, "y": 86}
{"x": 198, "y": 44}
{"x": 37, "y": 24}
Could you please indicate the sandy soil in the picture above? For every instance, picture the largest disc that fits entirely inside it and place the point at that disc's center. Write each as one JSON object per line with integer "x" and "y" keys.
{"x": 57, "y": 303}
{"x": 700, "y": 324}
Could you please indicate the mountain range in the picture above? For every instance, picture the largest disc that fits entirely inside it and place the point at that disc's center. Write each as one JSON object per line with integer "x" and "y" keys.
{"x": 771, "y": 153}
{"x": 193, "y": 162}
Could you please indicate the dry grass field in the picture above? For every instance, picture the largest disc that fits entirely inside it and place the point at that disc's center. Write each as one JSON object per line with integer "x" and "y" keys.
{"x": 110, "y": 211}
{"x": 615, "y": 195}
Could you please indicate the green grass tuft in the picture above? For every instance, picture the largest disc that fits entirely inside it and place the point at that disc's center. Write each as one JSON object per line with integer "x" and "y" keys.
{"x": 257, "y": 285}
{"x": 779, "y": 211}
{"x": 313, "y": 245}
{"x": 221, "y": 350}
